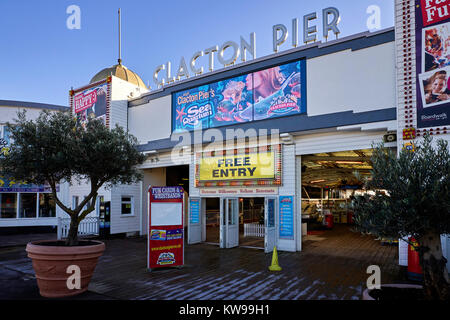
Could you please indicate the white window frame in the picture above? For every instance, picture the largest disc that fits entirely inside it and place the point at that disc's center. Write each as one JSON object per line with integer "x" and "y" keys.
{"x": 19, "y": 198}
{"x": 17, "y": 207}
{"x": 131, "y": 214}
{"x": 39, "y": 206}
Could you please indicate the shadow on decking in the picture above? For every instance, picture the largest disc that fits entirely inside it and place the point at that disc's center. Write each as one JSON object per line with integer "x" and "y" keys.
{"x": 332, "y": 265}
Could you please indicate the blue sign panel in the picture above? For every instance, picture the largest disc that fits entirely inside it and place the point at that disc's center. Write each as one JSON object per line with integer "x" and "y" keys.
{"x": 273, "y": 92}
{"x": 270, "y": 213}
{"x": 194, "y": 208}
{"x": 174, "y": 234}
{"x": 8, "y": 184}
{"x": 286, "y": 217}
{"x": 192, "y": 109}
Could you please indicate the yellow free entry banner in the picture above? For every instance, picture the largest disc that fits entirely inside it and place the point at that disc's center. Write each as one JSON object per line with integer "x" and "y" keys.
{"x": 238, "y": 167}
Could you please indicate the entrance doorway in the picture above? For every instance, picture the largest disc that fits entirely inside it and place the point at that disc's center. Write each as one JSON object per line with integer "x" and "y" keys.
{"x": 212, "y": 219}
{"x": 178, "y": 176}
{"x": 329, "y": 182}
{"x": 251, "y": 222}
{"x": 232, "y": 222}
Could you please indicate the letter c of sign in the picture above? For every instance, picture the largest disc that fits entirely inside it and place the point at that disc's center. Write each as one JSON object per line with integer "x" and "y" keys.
{"x": 155, "y": 75}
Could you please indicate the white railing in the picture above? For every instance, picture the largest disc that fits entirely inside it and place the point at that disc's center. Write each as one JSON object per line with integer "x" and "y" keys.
{"x": 254, "y": 230}
{"x": 89, "y": 226}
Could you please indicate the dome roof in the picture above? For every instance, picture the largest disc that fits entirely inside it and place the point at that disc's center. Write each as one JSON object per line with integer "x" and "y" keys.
{"x": 122, "y": 72}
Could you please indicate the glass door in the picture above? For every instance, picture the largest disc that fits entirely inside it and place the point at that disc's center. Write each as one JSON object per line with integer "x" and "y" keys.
{"x": 229, "y": 222}
{"x": 195, "y": 221}
{"x": 270, "y": 207}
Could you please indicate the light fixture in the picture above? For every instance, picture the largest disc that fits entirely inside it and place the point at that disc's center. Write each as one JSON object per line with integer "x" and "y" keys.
{"x": 286, "y": 138}
{"x": 350, "y": 162}
{"x": 152, "y": 154}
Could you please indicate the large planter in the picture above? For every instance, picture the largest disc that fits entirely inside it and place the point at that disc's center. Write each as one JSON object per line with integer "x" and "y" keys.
{"x": 367, "y": 296}
{"x": 51, "y": 260}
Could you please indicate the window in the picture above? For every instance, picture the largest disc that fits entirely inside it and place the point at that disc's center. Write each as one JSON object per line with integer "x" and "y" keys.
{"x": 47, "y": 206}
{"x": 75, "y": 200}
{"x": 5, "y": 139}
{"x": 127, "y": 205}
{"x": 100, "y": 200}
{"x": 6, "y": 135}
{"x": 8, "y": 205}
{"x": 27, "y": 205}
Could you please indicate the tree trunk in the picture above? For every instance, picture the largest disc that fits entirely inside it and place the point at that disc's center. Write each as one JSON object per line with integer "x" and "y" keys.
{"x": 72, "y": 237}
{"x": 435, "y": 274}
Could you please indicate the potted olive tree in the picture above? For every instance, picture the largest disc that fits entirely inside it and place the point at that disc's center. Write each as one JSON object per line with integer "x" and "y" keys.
{"x": 53, "y": 149}
{"x": 412, "y": 199}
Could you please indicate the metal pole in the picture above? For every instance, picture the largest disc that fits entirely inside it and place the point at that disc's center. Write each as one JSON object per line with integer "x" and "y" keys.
{"x": 120, "y": 40}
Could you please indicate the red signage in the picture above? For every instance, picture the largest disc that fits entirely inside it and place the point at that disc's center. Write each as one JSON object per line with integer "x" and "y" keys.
{"x": 434, "y": 11}
{"x": 165, "y": 233}
{"x": 83, "y": 101}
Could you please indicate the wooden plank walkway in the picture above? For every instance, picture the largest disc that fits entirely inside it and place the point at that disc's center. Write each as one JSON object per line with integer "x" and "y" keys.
{"x": 331, "y": 266}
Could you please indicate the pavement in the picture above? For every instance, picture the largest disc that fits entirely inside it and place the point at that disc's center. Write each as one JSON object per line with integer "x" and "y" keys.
{"x": 12, "y": 240}
{"x": 332, "y": 266}
{"x": 18, "y": 282}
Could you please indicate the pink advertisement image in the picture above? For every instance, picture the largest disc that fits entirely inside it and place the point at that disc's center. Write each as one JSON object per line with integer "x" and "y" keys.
{"x": 91, "y": 103}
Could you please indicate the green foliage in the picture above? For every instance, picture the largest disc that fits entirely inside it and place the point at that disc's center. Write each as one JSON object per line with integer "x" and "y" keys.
{"x": 53, "y": 149}
{"x": 412, "y": 192}
{"x": 412, "y": 199}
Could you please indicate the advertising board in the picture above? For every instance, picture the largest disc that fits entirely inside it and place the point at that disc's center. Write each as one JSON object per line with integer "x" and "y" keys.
{"x": 433, "y": 63}
{"x": 273, "y": 92}
{"x": 165, "y": 233}
{"x": 91, "y": 102}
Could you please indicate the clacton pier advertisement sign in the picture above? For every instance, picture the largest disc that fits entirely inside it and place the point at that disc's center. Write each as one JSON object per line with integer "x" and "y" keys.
{"x": 269, "y": 93}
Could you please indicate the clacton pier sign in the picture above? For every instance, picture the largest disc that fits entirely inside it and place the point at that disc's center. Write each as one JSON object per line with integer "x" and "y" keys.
{"x": 230, "y": 51}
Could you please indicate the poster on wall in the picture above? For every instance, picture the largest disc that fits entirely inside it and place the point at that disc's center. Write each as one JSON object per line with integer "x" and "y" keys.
{"x": 286, "y": 217}
{"x": 192, "y": 108}
{"x": 194, "y": 207}
{"x": 231, "y": 98}
{"x": 91, "y": 103}
{"x": 273, "y": 92}
{"x": 433, "y": 63}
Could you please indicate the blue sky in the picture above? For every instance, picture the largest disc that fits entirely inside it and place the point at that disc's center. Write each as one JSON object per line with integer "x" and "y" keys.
{"x": 42, "y": 59}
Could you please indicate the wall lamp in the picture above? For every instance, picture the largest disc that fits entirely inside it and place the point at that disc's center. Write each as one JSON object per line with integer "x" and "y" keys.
{"x": 287, "y": 138}
{"x": 152, "y": 155}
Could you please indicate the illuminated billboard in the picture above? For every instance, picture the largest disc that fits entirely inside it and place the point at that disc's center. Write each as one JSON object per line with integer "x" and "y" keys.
{"x": 269, "y": 93}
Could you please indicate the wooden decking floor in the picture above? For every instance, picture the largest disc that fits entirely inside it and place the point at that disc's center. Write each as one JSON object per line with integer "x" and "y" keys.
{"x": 332, "y": 265}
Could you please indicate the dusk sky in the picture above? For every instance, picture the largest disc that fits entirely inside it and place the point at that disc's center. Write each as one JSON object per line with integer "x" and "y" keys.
{"x": 42, "y": 59}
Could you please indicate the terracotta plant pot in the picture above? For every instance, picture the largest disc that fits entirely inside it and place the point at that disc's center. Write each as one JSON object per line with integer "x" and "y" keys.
{"x": 367, "y": 296}
{"x": 50, "y": 263}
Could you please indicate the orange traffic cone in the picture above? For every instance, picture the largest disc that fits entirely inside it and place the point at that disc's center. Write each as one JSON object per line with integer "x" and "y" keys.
{"x": 275, "y": 266}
